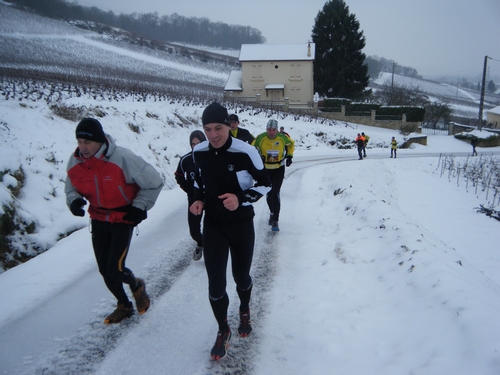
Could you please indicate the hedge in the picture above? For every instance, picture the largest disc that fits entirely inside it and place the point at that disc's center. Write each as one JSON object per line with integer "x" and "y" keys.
{"x": 413, "y": 114}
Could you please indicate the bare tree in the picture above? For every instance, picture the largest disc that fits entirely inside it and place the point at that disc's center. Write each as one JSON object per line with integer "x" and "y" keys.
{"x": 393, "y": 94}
{"x": 491, "y": 86}
{"x": 435, "y": 113}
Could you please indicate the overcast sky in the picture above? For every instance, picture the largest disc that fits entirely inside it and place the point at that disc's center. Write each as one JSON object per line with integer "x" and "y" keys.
{"x": 436, "y": 37}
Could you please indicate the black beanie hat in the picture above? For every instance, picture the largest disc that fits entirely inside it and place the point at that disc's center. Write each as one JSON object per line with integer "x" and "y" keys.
{"x": 91, "y": 129}
{"x": 215, "y": 113}
{"x": 197, "y": 134}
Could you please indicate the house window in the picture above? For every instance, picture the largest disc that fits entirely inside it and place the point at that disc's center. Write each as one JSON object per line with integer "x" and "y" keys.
{"x": 260, "y": 91}
{"x": 257, "y": 72}
{"x": 295, "y": 72}
{"x": 295, "y": 95}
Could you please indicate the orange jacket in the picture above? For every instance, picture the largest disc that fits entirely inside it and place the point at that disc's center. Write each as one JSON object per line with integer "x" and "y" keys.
{"x": 360, "y": 141}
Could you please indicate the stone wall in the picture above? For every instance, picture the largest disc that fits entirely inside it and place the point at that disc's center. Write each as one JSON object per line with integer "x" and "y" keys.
{"x": 421, "y": 140}
{"x": 458, "y": 128}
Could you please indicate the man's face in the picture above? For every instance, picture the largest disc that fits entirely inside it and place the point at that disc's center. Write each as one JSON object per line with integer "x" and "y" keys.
{"x": 217, "y": 134}
{"x": 88, "y": 148}
{"x": 271, "y": 132}
{"x": 234, "y": 124}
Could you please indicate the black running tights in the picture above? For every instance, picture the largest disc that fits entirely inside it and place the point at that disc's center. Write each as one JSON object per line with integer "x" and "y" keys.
{"x": 111, "y": 242}
{"x": 220, "y": 239}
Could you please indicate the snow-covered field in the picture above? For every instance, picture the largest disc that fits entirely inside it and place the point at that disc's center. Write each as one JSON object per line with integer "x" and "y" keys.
{"x": 41, "y": 45}
{"x": 434, "y": 88}
{"x": 464, "y": 102}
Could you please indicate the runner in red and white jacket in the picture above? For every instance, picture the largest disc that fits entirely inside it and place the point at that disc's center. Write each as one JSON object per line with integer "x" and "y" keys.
{"x": 120, "y": 187}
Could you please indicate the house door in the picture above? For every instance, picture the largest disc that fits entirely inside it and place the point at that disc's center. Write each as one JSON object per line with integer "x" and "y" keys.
{"x": 275, "y": 95}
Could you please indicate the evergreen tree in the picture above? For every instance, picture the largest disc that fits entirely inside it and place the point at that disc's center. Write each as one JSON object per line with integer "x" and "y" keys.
{"x": 339, "y": 67}
{"x": 491, "y": 86}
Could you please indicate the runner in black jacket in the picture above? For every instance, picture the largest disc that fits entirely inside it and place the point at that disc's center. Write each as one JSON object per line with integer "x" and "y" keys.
{"x": 231, "y": 177}
{"x": 238, "y": 132}
{"x": 184, "y": 175}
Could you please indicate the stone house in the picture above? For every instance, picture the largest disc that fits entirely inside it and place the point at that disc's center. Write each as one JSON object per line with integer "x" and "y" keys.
{"x": 281, "y": 74}
{"x": 493, "y": 117}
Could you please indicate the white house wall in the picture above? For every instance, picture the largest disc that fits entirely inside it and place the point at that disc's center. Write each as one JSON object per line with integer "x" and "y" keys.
{"x": 494, "y": 119}
{"x": 296, "y": 76}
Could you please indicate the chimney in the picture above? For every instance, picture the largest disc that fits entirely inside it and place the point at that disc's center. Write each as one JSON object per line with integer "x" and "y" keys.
{"x": 308, "y": 49}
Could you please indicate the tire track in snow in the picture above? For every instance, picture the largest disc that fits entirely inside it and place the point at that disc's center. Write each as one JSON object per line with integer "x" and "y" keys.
{"x": 84, "y": 351}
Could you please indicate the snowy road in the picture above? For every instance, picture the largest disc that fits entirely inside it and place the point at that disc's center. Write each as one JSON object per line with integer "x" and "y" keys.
{"x": 64, "y": 333}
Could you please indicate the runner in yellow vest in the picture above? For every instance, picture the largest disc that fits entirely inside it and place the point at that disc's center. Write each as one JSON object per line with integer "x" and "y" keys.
{"x": 276, "y": 150}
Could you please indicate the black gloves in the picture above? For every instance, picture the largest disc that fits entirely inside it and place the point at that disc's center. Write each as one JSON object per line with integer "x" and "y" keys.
{"x": 288, "y": 161}
{"x": 76, "y": 207}
{"x": 135, "y": 215}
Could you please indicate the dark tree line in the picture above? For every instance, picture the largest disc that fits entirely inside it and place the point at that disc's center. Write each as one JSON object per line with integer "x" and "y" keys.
{"x": 376, "y": 65}
{"x": 167, "y": 28}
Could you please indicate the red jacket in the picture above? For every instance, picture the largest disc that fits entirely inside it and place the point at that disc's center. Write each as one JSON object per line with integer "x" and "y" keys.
{"x": 115, "y": 177}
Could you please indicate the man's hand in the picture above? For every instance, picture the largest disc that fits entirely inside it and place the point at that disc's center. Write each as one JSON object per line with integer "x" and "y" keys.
{"x": 196, "y": 208}
{"x": 76, "y": 207}
{"x": 288, "y": 161}
{"x": 135, "y": 215}
{"x": 230, "y": 201}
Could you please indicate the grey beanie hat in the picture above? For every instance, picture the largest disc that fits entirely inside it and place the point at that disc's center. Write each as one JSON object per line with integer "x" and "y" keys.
{"x": 197, "y": 134}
